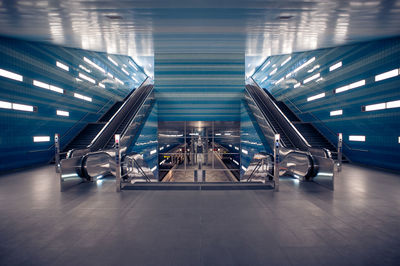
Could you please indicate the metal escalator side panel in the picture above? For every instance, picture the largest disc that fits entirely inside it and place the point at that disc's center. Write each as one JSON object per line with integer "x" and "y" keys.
{"x": 324, "y": 169}
{"x": 296, "y": 163}
{"x": 131, "y": 116}
{"x": 71, "y": 172}
{"x": 111, "y": 126}
{"x": 98, "y": 164}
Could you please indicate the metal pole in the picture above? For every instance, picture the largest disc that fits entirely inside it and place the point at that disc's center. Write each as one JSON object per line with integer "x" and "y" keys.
{"x": 57, "y": 152}
{"x": 340, "y": 143}
{"x": 117, "y": 163}
{"x": 276, "y": 161}
{"x": 203, "y": 176}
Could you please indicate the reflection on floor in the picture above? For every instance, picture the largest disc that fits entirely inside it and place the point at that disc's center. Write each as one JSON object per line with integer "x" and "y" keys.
{"x": 217, "y": 174}
{"x": 303, "y": 224}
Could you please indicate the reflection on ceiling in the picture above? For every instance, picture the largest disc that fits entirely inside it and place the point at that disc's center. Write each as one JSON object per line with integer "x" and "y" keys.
{"x": 141, "y": 28}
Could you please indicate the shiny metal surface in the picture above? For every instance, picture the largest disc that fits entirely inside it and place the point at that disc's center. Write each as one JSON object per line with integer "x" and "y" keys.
{"x": 99, "y": 164}
{"x": 70, "y": 172}
{"x": 325, "y": 172}
{"x": 304, "y": 165}
{"x": 258, "y": 28}
{"x": 295, "y": 163}
{"x": 85, "y": 165}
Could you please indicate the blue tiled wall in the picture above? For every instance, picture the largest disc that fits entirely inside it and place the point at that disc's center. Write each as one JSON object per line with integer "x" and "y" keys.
{"x": 360, "y": 62}
{"x": 199, "y": 87}
{"x": 36, "y": 61}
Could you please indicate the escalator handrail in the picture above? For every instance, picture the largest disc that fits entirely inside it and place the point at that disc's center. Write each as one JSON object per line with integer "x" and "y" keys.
{"x": 262, "y": 110}
{"x": 135, "y": 108}
{"x": 133, "y": 95}
{"x": 280, "y": 111}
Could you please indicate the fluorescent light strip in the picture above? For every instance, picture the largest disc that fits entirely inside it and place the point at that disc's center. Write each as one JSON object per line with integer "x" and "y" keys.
{"x": 245, "y": 151}
{"x": 351, "y": 86}
{"x": 126, "y": 72}
{"x": 94, "y": 65}
{"x": 134, "y": 79}
{"x": 133, "y": 65}
{"x": 264, "y": 79}
{"x": 62, "y": 66}
{"x": 22, "y": 107}
{"x": 267, "y": 64}
{"x": 85, "y": 68}
{"x": 375, "y": 107}
{"x": 336, "y": 112}
{"x": 41, "y": 84}
{"x": 301, "y": 67}
{"x": 236, "y": 148}
{"x": 10, "y": 75}
{"x": 154, "y": 168}
{"x": 236, "y": 162}
{"x": 279, "y": 81}
{"x": 153, "y": 151}
{"x": 335, "y": 66}
{"x": 5, "y": 105}
{"x": 87, "y": 78}
{"x": 110, "y": 75}
{"x": 356, "y": 138}
{"x": 244, "y": 168}
{"x": 287, "y": 60}
{"x": 112, "y": 61}
{"x": 56, "y": 89}
{"x": 318, "y": 96}
{"x": 393, "y": 104}
{"x": 41, "y": 138}
{"x": 273, "y": 72}
{"x": 47, "y": 86}
{"x": 382, "y": 106}
{"x": 312, "y": 69}
{"x": 312, "y": 78}
{"x": 297, "y": 85}
{"x": 118, "y": 80}
{"x": 80, "y": 96}
{"x": 62, "y": 113}
{"x": 102, "y": 85}
{"x": 387, "y": 75}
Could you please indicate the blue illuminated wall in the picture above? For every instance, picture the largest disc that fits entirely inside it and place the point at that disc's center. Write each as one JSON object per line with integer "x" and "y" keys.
{"x": 199, "y": 87}
{"x": 251, "y": 138}
{"x": 356, "y": 78}
{"x": 36, "y": 61}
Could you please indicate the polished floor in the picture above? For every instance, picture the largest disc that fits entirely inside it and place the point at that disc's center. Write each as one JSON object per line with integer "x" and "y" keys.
{"x": 303, "y": 224}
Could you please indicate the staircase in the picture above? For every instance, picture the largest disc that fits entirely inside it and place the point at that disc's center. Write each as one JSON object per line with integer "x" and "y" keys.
{"x": 83, "y": 139}
{"x": 107, "y": 116}
{"x": 309, "y": 132}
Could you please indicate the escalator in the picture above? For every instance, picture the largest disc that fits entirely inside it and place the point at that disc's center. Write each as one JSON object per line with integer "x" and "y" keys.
{"x": 298, "y": 157}
{"x": 307, "y": 130}
{"x": 95, "y": 154}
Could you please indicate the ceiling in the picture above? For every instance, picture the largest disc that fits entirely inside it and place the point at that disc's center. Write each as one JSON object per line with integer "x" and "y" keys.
{"x": 140, "y": 28}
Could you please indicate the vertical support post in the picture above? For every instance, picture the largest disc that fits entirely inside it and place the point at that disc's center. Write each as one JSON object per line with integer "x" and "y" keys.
{"x": 339, "y": 151}
{"x": 195, "y": 177}
{"x": 57, "y": 152}
{"x": 276, "y": 161}
{"x": 213, "y": 145}
{"x": 203, "y": 176}
{"x": 185, "y": 144}
{"x": 117, "y": 163}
